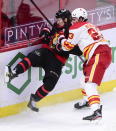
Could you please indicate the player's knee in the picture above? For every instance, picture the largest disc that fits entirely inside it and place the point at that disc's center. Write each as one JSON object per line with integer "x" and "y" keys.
{"x": 51, "y": 81}
{"x": 50, "y": 84}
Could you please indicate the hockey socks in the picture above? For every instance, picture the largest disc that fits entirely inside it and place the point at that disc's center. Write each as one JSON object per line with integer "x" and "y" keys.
{"x": 40, "y": 94}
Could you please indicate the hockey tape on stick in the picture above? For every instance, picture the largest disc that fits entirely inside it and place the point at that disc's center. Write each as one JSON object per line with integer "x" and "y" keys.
{"x": 81, "y": 59}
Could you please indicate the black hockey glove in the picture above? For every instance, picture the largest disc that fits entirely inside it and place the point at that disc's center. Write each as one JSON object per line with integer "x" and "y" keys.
{"x": 76, "y": 51}
{"x": 58, "y": 47}
{"x": 45, "y": 35}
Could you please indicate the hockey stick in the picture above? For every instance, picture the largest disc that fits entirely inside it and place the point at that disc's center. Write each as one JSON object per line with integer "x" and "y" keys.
{"x": 49, "y": 21}
{"x": 41, "y": 12}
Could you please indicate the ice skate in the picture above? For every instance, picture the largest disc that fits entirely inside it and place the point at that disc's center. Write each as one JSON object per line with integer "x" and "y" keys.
{"x": 95, "y": 116}
{"x": 81, "y": 105}
{"x": 9, "y": 75}
{"x": 32, "y": 104}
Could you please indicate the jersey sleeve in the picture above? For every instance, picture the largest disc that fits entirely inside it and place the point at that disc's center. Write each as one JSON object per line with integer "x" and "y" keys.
{"x": 67, "y": 44}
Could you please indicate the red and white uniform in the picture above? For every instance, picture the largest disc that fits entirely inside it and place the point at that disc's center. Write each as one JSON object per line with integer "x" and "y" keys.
{"x": 94, "y": 47}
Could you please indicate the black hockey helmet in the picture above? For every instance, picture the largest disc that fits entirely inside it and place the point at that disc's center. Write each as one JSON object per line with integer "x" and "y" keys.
{"x": 63, "y": 13}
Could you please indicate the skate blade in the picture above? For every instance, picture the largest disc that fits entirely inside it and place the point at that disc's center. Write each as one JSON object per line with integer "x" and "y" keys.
{"x": 33, "y": 108}
{"x": 97, "y": 121}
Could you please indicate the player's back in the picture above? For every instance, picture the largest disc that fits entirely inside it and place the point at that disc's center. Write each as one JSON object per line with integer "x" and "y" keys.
{"x": 88, "y": 37}
{"x": 85, "y": 34}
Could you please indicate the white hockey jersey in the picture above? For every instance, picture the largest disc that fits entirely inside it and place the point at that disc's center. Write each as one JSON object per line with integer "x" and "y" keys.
{"x": 87, "y": 36}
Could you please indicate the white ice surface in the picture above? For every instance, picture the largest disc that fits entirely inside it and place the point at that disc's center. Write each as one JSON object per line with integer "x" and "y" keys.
{"x": 63, "y": 117}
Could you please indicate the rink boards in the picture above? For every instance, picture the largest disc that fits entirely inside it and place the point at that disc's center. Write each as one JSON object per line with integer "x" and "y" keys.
{"x": 14, "y": 95}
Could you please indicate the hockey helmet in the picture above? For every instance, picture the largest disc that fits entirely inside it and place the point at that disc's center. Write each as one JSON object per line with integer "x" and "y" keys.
{"x": 63, "y": 13}
{"x": 79, "y": 12}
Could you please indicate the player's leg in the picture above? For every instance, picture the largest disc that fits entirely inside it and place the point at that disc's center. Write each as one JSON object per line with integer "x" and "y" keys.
{"x": 94, "y": 72}
{"x": 20, "y": 68}
{"x": 49, "y": 81}
{"x": 94, "y": 101}
{"x": 52, "y": 74}
{"x": 83, "y": 103}
{"x": 34, "y": 59}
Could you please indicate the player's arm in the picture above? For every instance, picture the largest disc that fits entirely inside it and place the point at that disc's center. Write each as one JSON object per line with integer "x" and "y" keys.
{"x": 45, "y": 35}
{"x": 67, "y": 45}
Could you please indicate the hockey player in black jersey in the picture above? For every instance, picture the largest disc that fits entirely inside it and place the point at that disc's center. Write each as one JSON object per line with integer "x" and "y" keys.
{"x": 50, "y": 57}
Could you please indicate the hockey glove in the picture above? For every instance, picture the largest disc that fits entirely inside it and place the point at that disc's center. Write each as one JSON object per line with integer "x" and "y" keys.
{"x": 58, "y": 47}
{"x": 57, "y": 43}
{"x": 45, "y": 35}
{"x": 75, "y": 50}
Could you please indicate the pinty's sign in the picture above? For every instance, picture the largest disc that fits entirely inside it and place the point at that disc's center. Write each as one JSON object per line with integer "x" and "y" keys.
{"x": 102, "y": 16}
{"x": 23, "y": 32}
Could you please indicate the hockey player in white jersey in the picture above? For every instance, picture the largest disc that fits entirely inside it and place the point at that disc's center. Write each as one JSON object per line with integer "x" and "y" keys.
{"x": 98, "y": 57}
